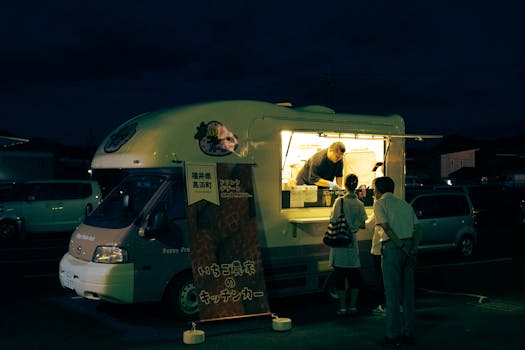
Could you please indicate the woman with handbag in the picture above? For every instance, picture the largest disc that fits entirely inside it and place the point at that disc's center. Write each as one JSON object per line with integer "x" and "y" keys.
{"x": 345, "y": 260}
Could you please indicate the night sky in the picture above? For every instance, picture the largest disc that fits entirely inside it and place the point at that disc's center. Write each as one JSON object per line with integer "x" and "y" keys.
{"x": 72, "y": 71}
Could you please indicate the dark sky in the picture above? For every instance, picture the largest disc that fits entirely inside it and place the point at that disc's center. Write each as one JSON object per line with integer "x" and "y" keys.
{"x": 72, "y": 71}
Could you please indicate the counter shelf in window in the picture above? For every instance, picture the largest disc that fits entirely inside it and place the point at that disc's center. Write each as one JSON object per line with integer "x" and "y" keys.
{"x": 297, "y": 221}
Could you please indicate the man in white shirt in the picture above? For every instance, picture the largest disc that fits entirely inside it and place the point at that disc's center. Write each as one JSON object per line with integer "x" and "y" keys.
{"x": 399, "y": 239}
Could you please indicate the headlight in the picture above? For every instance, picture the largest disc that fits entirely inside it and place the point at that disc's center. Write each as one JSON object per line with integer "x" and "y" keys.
{"x": 110, "y": 255}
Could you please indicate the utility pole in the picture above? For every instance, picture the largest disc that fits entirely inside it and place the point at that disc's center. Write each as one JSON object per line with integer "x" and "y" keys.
{"x": 329, "y": 87}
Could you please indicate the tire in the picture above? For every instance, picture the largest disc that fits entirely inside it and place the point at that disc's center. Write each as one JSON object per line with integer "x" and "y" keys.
{"x": 180, "y": 297}
{"x": 465, "y": 247}
{"x": 8, "y": 230}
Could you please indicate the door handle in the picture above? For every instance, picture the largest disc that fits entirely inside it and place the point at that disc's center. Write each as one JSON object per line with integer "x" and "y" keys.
{"x": 58, "y": 206}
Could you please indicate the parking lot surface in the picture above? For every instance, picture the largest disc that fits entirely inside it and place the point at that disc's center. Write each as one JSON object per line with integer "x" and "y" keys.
{"x": 459, "y": 306}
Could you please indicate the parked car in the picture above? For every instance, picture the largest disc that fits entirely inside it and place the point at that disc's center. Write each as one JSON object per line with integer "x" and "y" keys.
{"x": 412, "y": 181}
{"x": 45, "y": 206}
{"x": 494, "y": 206}
{"x": 447, "y": 221}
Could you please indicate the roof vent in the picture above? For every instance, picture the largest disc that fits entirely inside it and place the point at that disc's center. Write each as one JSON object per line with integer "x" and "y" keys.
{"x": 315, "y": 109}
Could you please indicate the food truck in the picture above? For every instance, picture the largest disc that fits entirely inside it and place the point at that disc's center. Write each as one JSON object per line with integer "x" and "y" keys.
{"x": 129, "y": 250}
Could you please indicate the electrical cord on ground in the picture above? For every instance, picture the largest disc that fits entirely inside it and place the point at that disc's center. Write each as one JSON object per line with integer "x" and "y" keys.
{"x": 481, "y": 298}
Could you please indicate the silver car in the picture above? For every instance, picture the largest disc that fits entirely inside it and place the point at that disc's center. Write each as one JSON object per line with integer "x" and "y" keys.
{"x": 45, "y": 206}
{"x": 447, "y": 222}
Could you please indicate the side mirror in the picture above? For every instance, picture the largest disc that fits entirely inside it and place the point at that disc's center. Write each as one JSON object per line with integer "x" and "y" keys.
{"x": 156, "y": 224}
{"x": 159, "y": 222}
{"x": 125, "y": 201}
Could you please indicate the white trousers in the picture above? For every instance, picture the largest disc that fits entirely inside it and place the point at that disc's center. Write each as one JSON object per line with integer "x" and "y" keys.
{"x": 398, "y": 276}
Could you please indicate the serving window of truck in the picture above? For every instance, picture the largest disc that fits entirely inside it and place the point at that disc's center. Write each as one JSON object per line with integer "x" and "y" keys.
{"x": 364, "y": 157}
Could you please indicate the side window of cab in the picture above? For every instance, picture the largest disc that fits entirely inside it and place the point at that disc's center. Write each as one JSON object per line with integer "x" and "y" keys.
{"x": 168, "y": 219}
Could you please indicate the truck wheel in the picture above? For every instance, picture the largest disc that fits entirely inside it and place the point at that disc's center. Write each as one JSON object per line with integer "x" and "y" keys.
{"x": 181, "y": 297}
{"x": 465, "y": 247}
{"x": 7, "y": 230}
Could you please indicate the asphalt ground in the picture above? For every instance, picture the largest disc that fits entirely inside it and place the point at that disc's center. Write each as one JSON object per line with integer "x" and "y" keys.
{"x": 450, "y": 315}
{"x": 461, "y": 304}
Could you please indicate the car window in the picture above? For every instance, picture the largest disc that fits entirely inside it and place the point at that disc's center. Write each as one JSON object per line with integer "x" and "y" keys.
{"x": 425, "y": 207}
{"x": 66, "y": 190}
{"x": 428, "y": 207}
{"x": 41, "y": 192}
{"x": 45, "y": 191}
{"x": 85, "y": 190}
{"x": 72, "y": 190}
{"x": 8, "y": 192}
{"x": 454, "y": 206}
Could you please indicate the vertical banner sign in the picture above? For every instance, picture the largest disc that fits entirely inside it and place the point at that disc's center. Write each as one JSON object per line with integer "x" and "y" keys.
{"x": 201, "y": 183}
{"x": 224, "y": 242}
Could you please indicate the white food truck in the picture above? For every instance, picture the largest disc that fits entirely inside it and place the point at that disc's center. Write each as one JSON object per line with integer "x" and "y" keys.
{"x": 121, "y": 254}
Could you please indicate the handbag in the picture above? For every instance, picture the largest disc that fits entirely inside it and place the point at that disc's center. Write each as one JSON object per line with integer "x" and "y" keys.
{"x": 337, "y": 233}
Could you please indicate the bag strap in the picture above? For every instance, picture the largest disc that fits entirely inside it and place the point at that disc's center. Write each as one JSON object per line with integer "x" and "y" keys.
{"x": 342, "y": 208}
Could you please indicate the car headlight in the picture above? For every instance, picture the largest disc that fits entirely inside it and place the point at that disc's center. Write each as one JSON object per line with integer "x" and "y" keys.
{"x": 110, "y": 255}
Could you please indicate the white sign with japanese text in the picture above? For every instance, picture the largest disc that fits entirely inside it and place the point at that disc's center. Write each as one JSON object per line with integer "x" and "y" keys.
{"x": 201, "y": 183}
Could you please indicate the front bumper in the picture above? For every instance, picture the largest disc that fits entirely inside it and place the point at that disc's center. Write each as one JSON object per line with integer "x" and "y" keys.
{"x": 108, "y": 282}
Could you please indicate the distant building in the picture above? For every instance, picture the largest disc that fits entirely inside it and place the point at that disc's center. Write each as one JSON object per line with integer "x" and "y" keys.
{"x": 468, "y": 161}
{"x": 484, "y": 165}
{"x": 451, "y": 162}
{"x": 22, "y": 165}
{"x": 23, "y": 159}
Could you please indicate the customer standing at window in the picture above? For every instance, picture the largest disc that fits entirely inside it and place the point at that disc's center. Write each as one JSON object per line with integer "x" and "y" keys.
{"x": 345, "y": 260}
{"x": 375, "y": 252}
{"x": 399, "y": 238}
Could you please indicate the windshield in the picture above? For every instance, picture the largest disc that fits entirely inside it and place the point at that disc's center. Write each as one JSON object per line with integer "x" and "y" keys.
{"x": 122, "y": 205}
